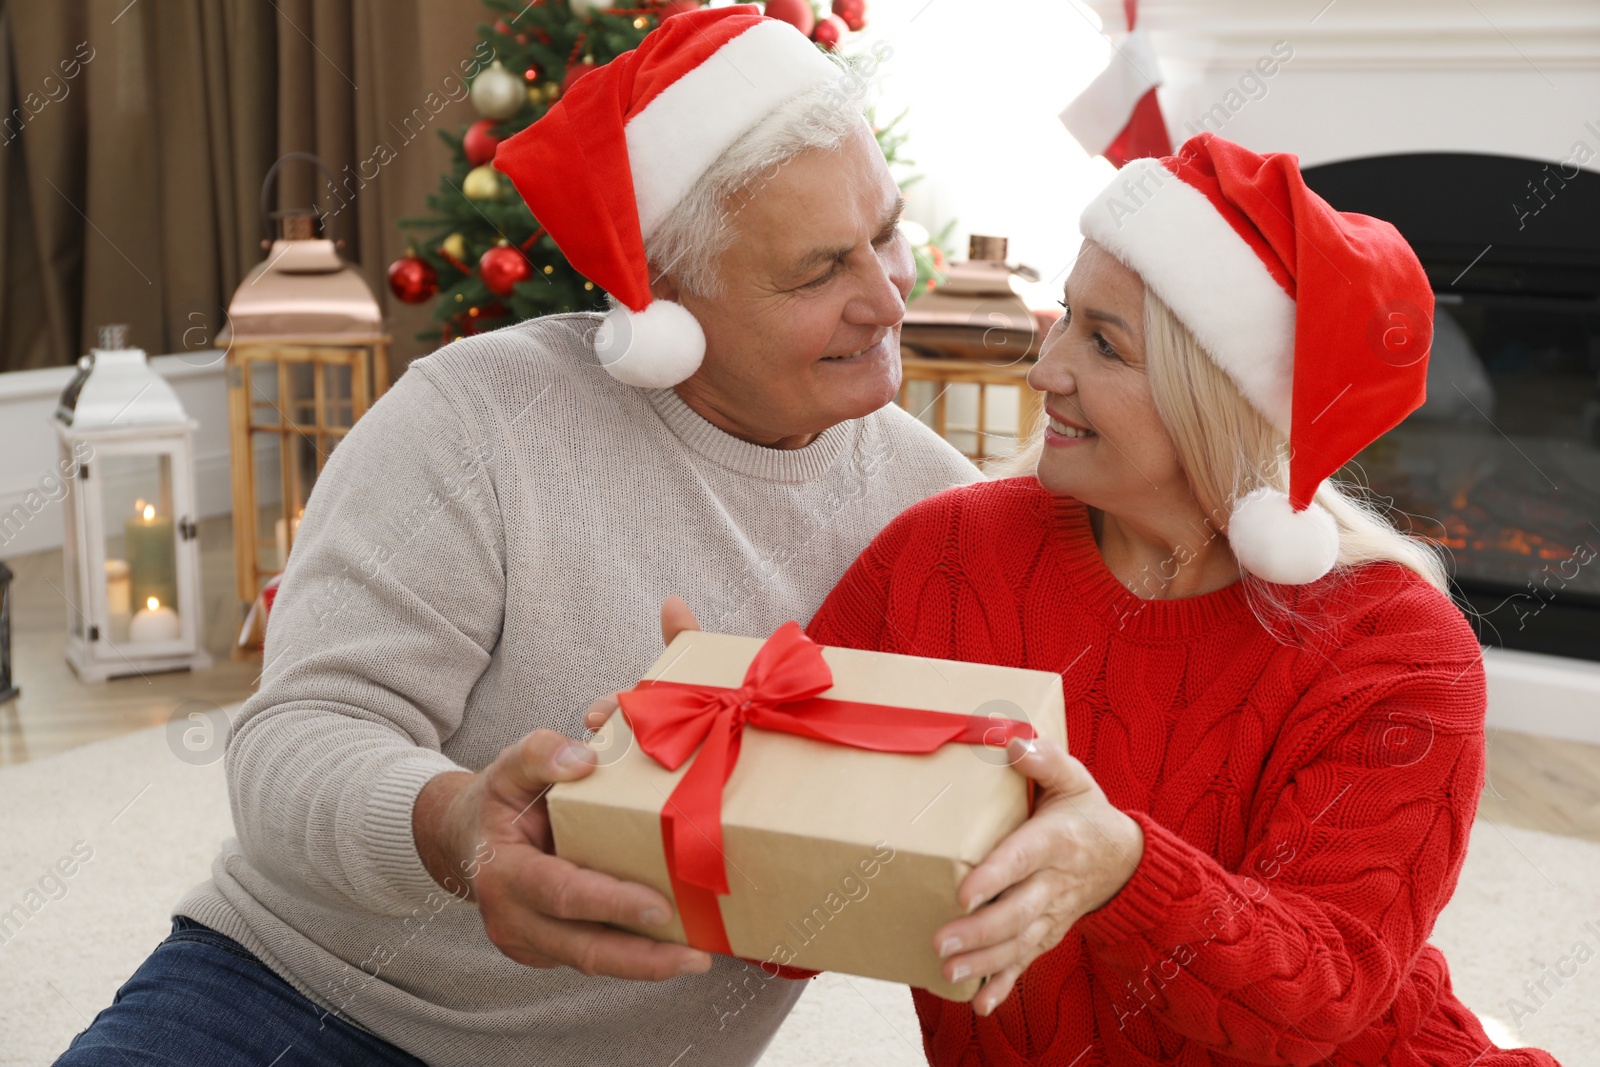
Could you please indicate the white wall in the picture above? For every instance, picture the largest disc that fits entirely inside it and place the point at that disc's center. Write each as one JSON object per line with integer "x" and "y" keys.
{"x": 984, "y": 84}
{"x": 29, "y": 449}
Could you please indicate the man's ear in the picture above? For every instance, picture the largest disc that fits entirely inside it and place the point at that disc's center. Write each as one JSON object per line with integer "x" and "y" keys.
{"x": 665, "y": 287}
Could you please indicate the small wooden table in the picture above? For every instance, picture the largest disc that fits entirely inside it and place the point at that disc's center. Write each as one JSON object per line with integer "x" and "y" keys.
{"x": 958, "y": 357}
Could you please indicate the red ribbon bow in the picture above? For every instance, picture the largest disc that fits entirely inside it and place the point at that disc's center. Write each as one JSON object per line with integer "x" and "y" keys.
{"x": 672, "y": 719}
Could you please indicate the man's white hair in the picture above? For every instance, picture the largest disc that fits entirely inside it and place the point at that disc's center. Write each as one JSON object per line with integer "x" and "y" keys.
{"x": 688, "y": 242}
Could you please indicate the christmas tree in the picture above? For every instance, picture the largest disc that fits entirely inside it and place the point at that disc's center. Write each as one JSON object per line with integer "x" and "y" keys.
{"x": 481, "y": 251}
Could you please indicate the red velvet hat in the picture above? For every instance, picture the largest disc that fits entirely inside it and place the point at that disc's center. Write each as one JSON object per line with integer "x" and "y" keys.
{"x": 1321, "y": 318}
{"x": 610, "y": 159}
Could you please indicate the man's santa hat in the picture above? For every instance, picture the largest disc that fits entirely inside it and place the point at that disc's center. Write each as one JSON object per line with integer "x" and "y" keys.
{"x": 608, "y": 162}
{"x": 1321, "y": 318}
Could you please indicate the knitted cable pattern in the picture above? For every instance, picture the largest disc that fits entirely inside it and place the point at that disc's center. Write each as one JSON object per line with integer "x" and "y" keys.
{"x": 1306, "y": 793}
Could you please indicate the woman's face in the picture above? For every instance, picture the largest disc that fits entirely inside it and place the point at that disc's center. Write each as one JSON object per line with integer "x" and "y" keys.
{"x": 1104, "y": 443}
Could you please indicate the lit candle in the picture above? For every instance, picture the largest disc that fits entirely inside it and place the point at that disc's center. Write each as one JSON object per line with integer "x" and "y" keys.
{"x": 119, "y": 598}
{"x": 153, "y": 623}
{"x": 152, "y": 556}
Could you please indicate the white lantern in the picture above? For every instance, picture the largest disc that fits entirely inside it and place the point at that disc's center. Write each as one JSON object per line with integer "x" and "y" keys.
{"x": 132, "y": 547}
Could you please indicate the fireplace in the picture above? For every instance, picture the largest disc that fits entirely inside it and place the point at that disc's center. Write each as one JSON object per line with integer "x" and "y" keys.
{"x": 1502, "y": 463}
{"x": 1475, "y": 129}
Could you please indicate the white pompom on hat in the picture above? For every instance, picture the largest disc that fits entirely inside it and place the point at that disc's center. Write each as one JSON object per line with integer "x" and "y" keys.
{"x": 1321, "y": 318}
{"x": 626, "y": 142}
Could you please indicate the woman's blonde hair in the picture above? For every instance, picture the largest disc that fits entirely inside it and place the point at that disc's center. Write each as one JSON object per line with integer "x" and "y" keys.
{"x": 1227, "y": 448}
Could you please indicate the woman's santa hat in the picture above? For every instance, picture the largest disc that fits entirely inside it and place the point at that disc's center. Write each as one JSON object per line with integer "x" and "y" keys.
{"x": 609, "y": 161}
{"x": 1321, "y": 318}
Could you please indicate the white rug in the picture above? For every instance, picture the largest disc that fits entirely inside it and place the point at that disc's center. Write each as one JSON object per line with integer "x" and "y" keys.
{"x": 153, "y": 822}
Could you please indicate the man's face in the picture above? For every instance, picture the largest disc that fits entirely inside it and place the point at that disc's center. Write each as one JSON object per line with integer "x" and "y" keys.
{"x": 806, "y": 333}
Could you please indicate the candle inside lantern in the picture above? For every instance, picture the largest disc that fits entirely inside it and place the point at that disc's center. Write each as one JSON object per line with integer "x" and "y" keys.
{"x": 119, "y": 598}
{"x": 152, "y": 555}
{"x": 285, "y": 535}
{"x": 154, "y": 622}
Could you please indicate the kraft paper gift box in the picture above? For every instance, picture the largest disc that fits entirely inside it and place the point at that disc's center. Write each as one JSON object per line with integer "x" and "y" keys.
{"x": 835, "y": 857}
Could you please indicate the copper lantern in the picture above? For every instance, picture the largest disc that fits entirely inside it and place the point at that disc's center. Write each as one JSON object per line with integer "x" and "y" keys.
{"x": 307, "y": 355}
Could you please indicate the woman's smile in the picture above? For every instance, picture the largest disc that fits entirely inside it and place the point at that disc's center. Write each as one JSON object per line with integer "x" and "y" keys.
{"x": 1059, "y": 433}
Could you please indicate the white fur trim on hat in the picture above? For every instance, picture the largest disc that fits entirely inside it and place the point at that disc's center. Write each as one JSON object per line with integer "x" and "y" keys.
{"x": 680, "y": 133}
{"x": 1165, "y": 229}
{"x": 654, "y": 348}
{"x": 1278, "y": 544}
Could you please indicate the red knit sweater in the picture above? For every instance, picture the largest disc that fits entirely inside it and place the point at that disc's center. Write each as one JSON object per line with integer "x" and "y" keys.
{"x": 1305, "y": 793}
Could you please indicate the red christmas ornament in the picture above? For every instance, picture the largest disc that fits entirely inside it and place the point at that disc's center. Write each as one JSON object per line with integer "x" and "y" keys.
{"x": 501, "y": 268}
{"x": 829, "y": 32}
{"x": 854, "y": 13}
{"x": 678, "y": 7}
{"x": 574, "y": 72}
{"x": 480, "y": 142}
{"x": 796, "y": 13}
{"x": 501, "y": 26}
{"x": 412, "y": 280}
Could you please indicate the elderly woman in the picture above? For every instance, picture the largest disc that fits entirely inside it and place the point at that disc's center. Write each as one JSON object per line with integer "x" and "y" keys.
{"x": 1274, "y": 712}
{"x": 484, "y": 552}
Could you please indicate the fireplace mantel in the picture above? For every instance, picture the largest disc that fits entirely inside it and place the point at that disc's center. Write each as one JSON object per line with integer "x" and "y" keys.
{"x": 1376, "y": 78}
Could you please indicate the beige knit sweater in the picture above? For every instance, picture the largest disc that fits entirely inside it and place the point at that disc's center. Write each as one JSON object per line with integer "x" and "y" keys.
{"x": 484, "y": 554}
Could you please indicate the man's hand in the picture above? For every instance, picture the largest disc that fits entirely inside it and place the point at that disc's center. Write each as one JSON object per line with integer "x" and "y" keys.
{"x": 486, "y": 837}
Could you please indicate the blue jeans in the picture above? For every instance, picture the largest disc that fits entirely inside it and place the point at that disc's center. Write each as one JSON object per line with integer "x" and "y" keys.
{"x": 202, "y": 1000}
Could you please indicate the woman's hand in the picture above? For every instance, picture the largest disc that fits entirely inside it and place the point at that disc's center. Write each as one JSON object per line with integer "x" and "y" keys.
{"x": 1072, "y": 855}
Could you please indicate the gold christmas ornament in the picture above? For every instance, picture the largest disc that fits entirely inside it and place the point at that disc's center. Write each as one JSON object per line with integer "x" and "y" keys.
{"x": 497, "y": 93}
{"x": 455, "y": 246}
{"x": 482, "y": 183}
{"x": 535, "y": 95}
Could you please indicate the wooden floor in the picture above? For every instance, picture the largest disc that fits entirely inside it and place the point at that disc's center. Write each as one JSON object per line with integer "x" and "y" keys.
{"x": 1534, "y": 782}
{"x": 56, "y": 711}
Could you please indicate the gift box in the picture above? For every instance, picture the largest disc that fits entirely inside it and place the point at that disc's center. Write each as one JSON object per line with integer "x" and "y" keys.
{"x": 807, "y": 806}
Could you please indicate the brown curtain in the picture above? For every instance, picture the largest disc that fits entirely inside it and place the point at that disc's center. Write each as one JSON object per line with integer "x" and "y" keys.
{"x": 134, "y": 137}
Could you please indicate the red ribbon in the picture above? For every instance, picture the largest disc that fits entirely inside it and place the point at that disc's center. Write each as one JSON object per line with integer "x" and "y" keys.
{"x": 673, "y": 719}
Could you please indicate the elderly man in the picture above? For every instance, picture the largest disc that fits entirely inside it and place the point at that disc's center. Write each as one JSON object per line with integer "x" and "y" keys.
{"x": 487, "y": 552}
